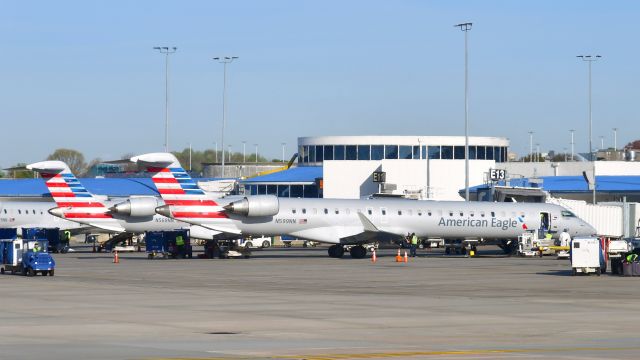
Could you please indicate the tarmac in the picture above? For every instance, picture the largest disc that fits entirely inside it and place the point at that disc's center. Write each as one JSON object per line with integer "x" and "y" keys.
{"x": 301, "y": 304}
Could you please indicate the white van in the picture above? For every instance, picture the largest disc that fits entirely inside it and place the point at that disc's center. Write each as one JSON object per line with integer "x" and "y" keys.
{"x": 255, "y": 243}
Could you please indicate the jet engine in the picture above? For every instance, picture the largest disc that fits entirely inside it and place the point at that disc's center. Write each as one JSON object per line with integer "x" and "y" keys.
{"x": 136, "y": 207}
{"x": 258, "y": 205}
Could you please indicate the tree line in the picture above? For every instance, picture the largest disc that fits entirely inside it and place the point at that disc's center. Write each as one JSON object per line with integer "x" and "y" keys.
{"x": 78, "y": 165}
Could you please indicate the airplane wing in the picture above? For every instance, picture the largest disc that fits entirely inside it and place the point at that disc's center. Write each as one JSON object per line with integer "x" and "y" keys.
{"x": 365, "y": 233}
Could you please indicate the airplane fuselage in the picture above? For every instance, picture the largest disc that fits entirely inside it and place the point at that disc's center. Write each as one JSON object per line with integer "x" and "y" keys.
{"x": 341, "y": 221}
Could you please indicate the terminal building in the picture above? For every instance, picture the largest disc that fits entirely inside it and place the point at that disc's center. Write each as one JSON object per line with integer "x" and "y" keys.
{"x": 351, "y": 167}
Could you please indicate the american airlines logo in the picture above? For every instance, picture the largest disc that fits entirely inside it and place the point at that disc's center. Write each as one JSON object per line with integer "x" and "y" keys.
{"x": 505, "y": 224}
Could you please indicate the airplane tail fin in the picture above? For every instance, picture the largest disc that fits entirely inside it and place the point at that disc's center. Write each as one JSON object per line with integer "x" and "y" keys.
{"x": 186, "y": 201}
{"x": 72, "y": 198}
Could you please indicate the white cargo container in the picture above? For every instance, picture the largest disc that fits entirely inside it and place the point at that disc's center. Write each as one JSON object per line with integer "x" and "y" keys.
{"x": 586, "y": 256}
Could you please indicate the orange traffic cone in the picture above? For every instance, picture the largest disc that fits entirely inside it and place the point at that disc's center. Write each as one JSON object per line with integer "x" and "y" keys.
{"x": 374, "y": 258}
{"x": 116, "y": 259}
{"x": 406, "y": 258}
{"x": 398, "y": 257}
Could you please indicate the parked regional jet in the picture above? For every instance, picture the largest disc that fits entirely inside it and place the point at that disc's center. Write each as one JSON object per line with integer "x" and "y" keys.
{"x": 135, "y": 215}
{"x": 350, "y": 222}
{"x": 23, "y": 213}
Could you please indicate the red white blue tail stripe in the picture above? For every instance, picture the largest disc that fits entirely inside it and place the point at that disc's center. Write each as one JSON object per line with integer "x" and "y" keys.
{"x": 177, "y": 189}
{"x": 69, "y": 194}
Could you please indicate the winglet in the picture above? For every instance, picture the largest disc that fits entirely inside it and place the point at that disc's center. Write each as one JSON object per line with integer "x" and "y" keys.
{"x": 367, "y": 224}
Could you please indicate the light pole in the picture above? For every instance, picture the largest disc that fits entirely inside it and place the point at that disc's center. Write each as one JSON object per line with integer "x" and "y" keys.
{"x": 572, "y": 143}
{"x": 283, "y": 145}
{"x": 215, "y": 153}
{"x": 465, "y": 27}
{"x": 601, "y": 142}
{"x": 537, "y": 152}
{"x": 244, "y": 151}
{"x": 229, "y": 152}
{"x": 224, "y": 60}
{"x": 615, "y": 139}
{"x": 590, "y": 59}
{"x": 530, "y": 146}
{"x": 166, "y": 51}
{"x": 256, "y": 145}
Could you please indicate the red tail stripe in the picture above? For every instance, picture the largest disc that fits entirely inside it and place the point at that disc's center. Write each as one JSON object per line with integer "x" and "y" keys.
{"x": 57, "y": 184}
{"x": 80, "y": 204}
{"x": 159, "y": 180}
{"x": 171, "y": 191}
{"x": 191, "y": 202}
{"x": 62, "y": 194}
{"x": 199, "y": 215}
{"x": 87, "y": 216}
{"x": 157, "y": 169}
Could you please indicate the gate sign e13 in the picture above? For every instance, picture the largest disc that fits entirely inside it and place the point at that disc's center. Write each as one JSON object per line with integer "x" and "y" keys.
{"x": 497, "y": 174}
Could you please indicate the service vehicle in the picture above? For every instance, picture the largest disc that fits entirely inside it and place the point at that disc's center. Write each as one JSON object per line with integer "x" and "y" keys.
{"x": 24, "y": 256}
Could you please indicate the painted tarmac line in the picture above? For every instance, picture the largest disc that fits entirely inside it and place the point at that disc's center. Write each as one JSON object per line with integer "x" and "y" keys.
{"x": 382, "y": 355}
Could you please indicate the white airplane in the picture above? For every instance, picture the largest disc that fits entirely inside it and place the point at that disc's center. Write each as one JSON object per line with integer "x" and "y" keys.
{"x": 350, "y": 222}
{"x": 22, "y": 213}
{"x": 135, "y": 215}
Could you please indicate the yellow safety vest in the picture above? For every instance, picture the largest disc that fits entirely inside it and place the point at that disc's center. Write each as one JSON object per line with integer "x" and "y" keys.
{"x": 179, "y": 241}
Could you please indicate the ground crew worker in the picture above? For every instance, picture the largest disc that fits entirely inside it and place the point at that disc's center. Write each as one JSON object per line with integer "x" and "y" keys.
{"x": 414, "y": 244}
{"x": 631, "y": 258}
{"x": 36, "y": 247}
{"x": 180, "y": 245}
{"x": 565, "y": 238}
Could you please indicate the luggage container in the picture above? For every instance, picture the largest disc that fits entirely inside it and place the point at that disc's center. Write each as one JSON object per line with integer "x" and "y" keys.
{"x": 635, "y": 266}
{"x": 627, "y": 268}
{"x": 163, "y": 243}
{"x": 587, "y": 256}
{"x": 57, "y": 242}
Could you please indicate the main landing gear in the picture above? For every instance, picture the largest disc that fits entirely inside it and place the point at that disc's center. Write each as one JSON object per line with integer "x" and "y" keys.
{"x": 356, "y": 252}
{"x": 336, "y": 251}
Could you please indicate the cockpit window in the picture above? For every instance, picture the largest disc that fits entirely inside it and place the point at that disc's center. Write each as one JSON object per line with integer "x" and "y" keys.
{"x": 566, "y": 213}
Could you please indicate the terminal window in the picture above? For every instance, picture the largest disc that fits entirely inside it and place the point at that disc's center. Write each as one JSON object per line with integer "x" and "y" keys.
{"x": 480, "y": 153}
{"x": 434, "y": 152}
{"x": 446, "y": 152}
{"x": 377, "y": 152}
{"x": 364, "y": 152}
{"x": 338, "y": 152}
{"x": 458, "y": 152}
{"x": 352, "y": 152}
{"x": 405, "y": 152}
{"x": 391, "y": 151}
{"x": 319, "y": 153}
{"x": 328, "y": 152}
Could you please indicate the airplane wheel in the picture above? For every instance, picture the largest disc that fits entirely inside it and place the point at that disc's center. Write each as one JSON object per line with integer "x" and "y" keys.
{"x": 358, "y": 252}
{"x": 336, "y": 251}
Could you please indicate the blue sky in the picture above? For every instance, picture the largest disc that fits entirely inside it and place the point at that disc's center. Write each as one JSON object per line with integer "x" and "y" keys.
{"x": 83, "y": 74}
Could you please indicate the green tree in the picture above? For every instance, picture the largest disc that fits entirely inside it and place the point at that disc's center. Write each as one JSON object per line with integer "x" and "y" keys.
{"x": 73, "y": 158}
{"x": 209, "y": 156}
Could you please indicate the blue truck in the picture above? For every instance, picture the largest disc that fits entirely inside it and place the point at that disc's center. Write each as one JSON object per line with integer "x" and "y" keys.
{"x": 24, "y": 256}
